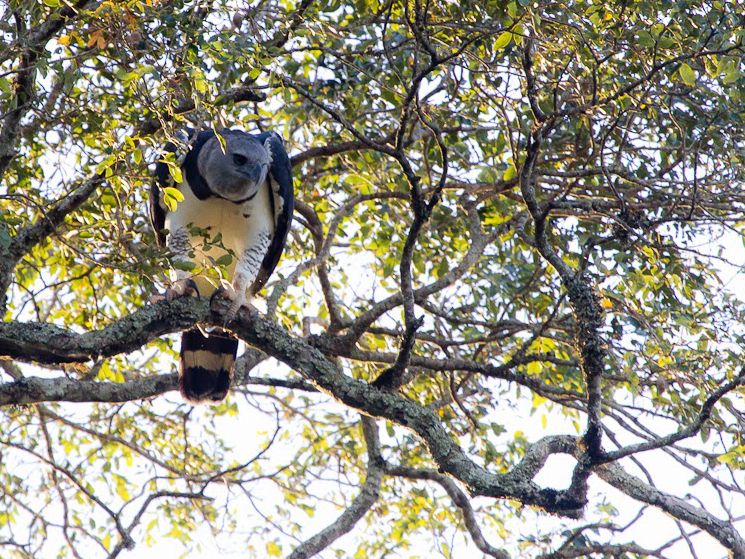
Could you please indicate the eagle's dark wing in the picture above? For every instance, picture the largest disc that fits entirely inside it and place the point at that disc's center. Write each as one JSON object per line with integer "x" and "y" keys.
{"x": 283, "y": 204}
{"x": 162, "y": 180}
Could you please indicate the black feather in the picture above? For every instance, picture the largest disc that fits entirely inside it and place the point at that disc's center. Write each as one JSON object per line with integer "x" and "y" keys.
{"x": 281, "y": 172}
{"x": 206, "y": 380}
{"x": 196, "y": 181}
{"x": 162, "y": 180}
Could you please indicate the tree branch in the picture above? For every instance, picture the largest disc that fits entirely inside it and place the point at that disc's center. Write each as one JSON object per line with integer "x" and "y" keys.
{"x": 460, "y": 500}
{"x": 722, "y": 530}
{"x": 47, "y": 343}
{"x": 358, "y": 507}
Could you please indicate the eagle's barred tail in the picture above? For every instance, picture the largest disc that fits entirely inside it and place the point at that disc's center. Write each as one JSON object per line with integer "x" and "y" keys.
{"x": 206, "y": 365}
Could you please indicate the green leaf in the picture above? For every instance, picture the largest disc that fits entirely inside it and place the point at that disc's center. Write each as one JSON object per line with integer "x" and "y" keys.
{"x": 644, "y": 38}
{"x": 688, "y": 75}
{"x": 174, "y": 193}
{"x": 105, "y": 164}
{"x": 517, "y": 34}
{"x": 503, "y": 40}
{"x": 732, "y": 74}
{"x": 175, "y": 172}
{"x": 184, "y": 265}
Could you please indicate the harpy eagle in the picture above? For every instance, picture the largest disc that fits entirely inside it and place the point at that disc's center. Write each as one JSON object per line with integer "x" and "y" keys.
{"x": 238, "y": 199}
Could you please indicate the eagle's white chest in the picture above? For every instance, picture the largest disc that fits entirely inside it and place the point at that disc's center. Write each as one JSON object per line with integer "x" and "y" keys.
{"x": 235, "y": 226}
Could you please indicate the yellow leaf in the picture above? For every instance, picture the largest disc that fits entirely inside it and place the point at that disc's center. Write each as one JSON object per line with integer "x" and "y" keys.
{"x": 606, "y": 303}
{"x": 64, "y": 40}
{"x": 664, "y": 361}
{"x": 175, "y": 171}
{"x": 93, "y": 38}
{"x": 517, "y": 34}
{"x": 273, "y": 550}
{"x": 121, "y": 490}
{"x": 509, "y": 173}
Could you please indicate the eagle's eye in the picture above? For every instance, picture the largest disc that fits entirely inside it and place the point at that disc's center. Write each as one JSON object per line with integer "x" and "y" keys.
{"x": 239, "y": 159}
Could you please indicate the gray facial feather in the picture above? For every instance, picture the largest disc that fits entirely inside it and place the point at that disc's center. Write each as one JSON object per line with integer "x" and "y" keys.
{"x": 238, "y": 172}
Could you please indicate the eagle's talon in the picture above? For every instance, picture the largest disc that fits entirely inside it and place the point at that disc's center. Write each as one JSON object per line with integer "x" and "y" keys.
{"x": 219, "y": 293}
{"x": 182, "y": 288}
{"x": 228, "y": 293}
{"x": 232, "y": 311}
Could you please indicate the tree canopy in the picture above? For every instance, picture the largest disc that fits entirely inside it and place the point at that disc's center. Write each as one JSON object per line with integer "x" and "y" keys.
{"x": 517, "y": 238}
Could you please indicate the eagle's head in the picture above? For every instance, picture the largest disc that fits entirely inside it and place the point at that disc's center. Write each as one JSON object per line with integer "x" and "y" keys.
{"x": 236, "y": 169}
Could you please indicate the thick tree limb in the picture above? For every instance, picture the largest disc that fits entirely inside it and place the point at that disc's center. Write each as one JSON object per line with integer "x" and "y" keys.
{"x": 34, "y": 390}
{"x": 676, "y": 507}
{"x": 584, "y": 301}
{"x": 46, "y": 343}
{"x": 51, "y": 344}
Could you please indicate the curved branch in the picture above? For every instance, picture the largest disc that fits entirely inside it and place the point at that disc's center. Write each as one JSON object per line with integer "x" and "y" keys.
{"x": 358, "y": 507}
{"x": 49, "y": 343}
{"x": 676, "y": 507}
{"x": 46, "y": 343}
{"x": 34, "y": 390}
{"x": 684, "y": 432}
{"x": 460, "y": 500}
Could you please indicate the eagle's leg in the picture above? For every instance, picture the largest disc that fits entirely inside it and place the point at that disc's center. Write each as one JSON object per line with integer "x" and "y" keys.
{"x": 246, "y": 270}
{"x": 180, "y": 245}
